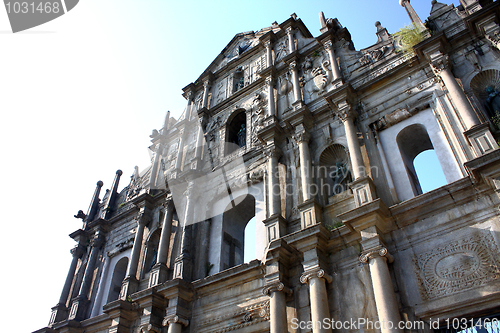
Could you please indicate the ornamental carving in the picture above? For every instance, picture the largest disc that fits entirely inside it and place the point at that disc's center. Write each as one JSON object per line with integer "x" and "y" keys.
{"x": 175, "y": 320}
{"x": 371, "y": 57}
{"x": 379, "y": 252}
{"x": 241, "y": 318}
{"x": 277, "y": 286}
{"x": 457, "y": 266}
{"x": 317, "y": 273}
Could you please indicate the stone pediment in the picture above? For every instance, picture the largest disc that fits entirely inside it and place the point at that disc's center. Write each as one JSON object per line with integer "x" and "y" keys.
{"x": 240, "y": 44}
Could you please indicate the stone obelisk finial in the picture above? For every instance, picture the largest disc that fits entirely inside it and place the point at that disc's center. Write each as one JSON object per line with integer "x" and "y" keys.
{"x": 412, "y": 14}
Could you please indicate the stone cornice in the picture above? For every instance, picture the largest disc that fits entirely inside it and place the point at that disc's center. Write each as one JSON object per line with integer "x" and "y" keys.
{"x": 374, "y": 213}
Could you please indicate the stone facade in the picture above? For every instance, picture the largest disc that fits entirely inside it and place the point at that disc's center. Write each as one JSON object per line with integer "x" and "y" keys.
{"x": 315, "y": 142}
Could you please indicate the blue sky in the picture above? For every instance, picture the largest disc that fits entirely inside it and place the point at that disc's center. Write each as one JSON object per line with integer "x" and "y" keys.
{"x": 81, "y": 94}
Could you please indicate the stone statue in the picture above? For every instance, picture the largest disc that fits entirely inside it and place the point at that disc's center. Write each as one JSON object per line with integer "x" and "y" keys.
{"x": 492, "y": 103}
{"x": 242, "y": 133}
{"x": 340, "y": 177}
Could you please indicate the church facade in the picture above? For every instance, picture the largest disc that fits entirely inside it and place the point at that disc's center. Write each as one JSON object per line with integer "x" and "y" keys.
{"x": 313, "y": 142}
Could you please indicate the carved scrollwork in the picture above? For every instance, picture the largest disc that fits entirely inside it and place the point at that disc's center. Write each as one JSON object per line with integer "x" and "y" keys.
{"x": 277, "y": 286}
{"x": 317, "y": 273}
{"x": 366, "y": 256}
{"x": 344, "y": 111}
{"x": 439, "y": 62}
{"x": 175, "y": 319}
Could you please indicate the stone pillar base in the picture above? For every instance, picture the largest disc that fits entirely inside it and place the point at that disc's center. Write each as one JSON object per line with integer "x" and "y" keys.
{"x": 129, "y": 286}
{"x": 363, "y": 190}
{"x": 59, "y": 313}
{"x": 275, "y": 227}
{"x": 310, "y": 213}
{"x": 78, "y": 310}
{"x": 183, "y": 268}
{"x": 158, "y": 274}
{"x": 481, "y": 139}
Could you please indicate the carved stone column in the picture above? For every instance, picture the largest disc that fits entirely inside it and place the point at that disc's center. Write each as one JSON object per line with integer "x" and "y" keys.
{"x": 183, "y": 263}
{"x": 333, "y": 60}
{"x": 159, "y": 271}
{"x": 80, "y": 303}
{"x": 318, "y": 297}
{"x": 277, "y": 306}
{"x": 59, "y": 312}
{"x": 297, "y": 94}
{"x": 273, "y": 153}
{"x": 199, "y": 144}
{"x": 175, "y": 323}
{"x": 347, "y": 116}
{"x": 291, "y": 41}
{"x": 270, "y": 96}
{"x": 206, "y": 87}
{"x": 303, "y": 137}
{"x": 269, "y": 53}
{"x": 155, "y": 166}
{"x": 180, "y": 149}
{"x": 440, "y": 66}
{"x": 130, "y": 283}
{"x": 385, "y": 298}
{"x": 478, "y": 134}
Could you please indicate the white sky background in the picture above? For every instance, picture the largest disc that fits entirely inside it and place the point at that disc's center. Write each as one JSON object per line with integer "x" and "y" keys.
{"x": 79, "y": 97}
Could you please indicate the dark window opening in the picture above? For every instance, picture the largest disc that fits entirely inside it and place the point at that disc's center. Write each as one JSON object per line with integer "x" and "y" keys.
{"x": 237, "y": 133}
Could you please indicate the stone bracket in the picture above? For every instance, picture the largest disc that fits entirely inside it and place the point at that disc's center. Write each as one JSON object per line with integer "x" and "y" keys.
{"x": 158, "y": 274}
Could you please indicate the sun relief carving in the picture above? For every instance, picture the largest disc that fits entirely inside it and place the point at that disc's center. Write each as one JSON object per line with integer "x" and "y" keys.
{"x": 457, "y": 266}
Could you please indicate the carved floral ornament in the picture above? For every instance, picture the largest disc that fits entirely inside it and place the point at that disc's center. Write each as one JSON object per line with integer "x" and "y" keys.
{"x": 175, "y": 319}
{"x": 370, "y": 57}
{"x": 380, "y": 252}
{"x": 317, "y": 273}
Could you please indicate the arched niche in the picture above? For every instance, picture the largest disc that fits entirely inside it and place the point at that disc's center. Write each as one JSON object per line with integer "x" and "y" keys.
{"x": 486, "y": 89}
{"x": 119, "y": 272}
{"x": 334, "y": 171}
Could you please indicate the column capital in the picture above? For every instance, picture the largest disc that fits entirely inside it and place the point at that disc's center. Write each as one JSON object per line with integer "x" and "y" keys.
{"x": 269, "y": 81}
{"x": 344, "y": 111}
{"x": 169, "y": 203}
{"x": 317, "y": 273}
{"x": 189, "y": 96}
{"x": 289, "y": 30}
{"x": 276, "y": 286}
{"x": 189, "y": 190}
{"x": 142, "y": 218}
{"x": 77, "y": 251}
{"x": 302, "y": 135}
{"x": 379, "y": 252}
{"x": 273, "y": 151}
{"x": 328, "y": 45}
{"x": 206, "y": 83}
{"x": 293, "y": 65}
{"x": 175, "y": 319}
{"x": 267, "y": 43}
{"x": 439, "y": 62}
{"x": 98, "y": 239}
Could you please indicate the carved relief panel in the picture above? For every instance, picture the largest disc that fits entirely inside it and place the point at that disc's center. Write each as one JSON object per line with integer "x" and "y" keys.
{"x": 457, "y": 266}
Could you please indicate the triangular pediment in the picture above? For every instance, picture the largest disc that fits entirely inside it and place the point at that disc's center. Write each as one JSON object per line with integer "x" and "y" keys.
{"x": 241, "y": 43}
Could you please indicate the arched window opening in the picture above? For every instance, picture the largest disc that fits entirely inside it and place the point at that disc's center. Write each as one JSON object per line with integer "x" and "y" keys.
{"x": 412, "y": 141}
{"x": 117, "y": 279}
{"x": 236, "y": 133}
{"x": 334, "y": 171}
{"x": 151, "y": 251}
{"x": 235, "y": 235}
{"x": 428, "y": 170}
{"x": 249, "y": 241}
